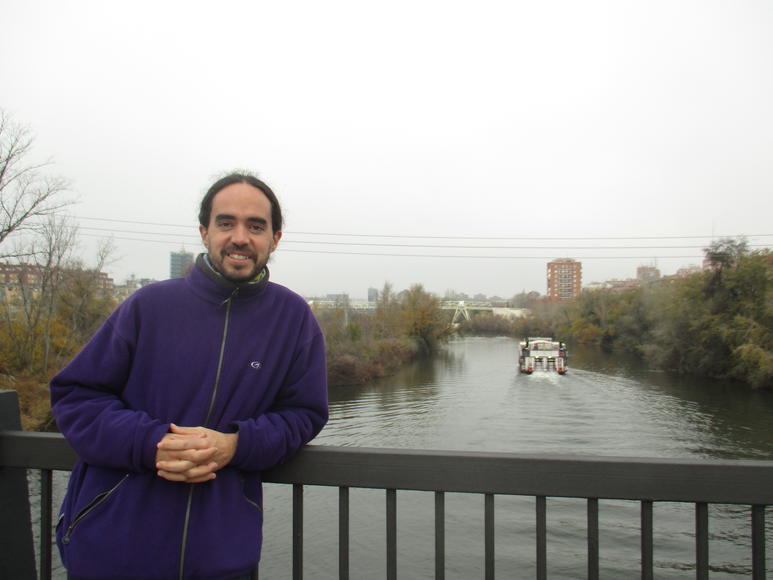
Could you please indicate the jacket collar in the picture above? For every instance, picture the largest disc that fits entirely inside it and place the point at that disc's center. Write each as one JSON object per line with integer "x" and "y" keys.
{"x": 204, "y": 278}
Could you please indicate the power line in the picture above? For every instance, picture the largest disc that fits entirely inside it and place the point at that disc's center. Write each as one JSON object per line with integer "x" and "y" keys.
{"x": 647, "y": 257}
{"x": 445, "y": 246}
{"x": 404, "y": 236}
{"x": 193, "y": 239}
{"x": 113, "y": 230}
{"x": 131, "y": 222}
{"x": 397, "y": 255}
{"x": 437, "y": 246}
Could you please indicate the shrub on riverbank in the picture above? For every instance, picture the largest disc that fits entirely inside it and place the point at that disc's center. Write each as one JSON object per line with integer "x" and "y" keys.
{"x": 34, "y": 402}
{"x": 366, "y": 346}
{"x": 356, "y": 363}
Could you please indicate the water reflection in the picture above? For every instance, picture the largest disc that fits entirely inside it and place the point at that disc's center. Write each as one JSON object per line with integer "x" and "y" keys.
{"x": 472, "y": 398}
{"x": 735, "y": 421}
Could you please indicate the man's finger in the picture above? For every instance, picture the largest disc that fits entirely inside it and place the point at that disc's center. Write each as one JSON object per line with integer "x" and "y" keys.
{"x": 187, "y": 430}
{"x": 175, "y": 465}
{"x": 199, "y": 471}
{"x": 195, "y": 475}
{"x": 177, "y": 443}
{"x": 192, "y": 456}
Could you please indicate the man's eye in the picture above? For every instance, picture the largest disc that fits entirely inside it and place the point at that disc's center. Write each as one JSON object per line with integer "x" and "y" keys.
{"x": 257, "y": 228}
{"x": 224, "y": 225}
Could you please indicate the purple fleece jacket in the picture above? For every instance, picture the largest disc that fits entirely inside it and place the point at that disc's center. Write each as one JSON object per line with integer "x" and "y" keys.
{"x": 246, "y": 358}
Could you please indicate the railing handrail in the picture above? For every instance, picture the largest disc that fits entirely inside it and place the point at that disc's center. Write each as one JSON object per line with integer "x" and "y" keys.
{"x": 747, "y": 482}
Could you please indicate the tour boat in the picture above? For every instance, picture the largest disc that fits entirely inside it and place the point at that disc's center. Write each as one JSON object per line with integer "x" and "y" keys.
{"x": 540, "y": 353}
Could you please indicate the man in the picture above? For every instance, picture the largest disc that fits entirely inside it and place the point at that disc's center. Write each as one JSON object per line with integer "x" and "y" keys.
{"x": 191, "y": 388}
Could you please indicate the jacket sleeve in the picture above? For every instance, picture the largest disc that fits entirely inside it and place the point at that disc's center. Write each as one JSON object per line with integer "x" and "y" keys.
{"x": 297, "y": 415}
{"x": 87, "y": 405}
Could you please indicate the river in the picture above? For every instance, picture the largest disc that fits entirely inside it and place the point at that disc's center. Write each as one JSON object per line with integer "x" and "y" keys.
{"x": 470, "y": 397}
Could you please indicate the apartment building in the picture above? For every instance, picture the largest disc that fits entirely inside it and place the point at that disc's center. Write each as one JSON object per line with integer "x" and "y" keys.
{"x": 564, "y": 279}
{"x": 14, "y": 277}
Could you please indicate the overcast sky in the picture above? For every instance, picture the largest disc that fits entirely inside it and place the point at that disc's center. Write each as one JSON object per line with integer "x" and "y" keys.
{"x": 494, "y": 136}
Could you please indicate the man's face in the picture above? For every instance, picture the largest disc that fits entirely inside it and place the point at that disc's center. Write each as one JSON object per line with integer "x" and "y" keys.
{"x": 239, "y": 237}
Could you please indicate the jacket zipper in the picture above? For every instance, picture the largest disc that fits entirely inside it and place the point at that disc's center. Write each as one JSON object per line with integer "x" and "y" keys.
{"x": 191, "y": 487}
{"x": 94, "y": 504}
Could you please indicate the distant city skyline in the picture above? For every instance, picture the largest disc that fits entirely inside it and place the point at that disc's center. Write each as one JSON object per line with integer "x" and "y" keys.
{"x": 181, "y": 259}
{"x": 566, "y": 272}
{"x": 596, "y": 269}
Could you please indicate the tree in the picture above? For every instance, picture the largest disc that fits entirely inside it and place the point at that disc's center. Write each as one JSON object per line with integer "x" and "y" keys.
{"x": 385, "y": 317}
{"x": 422, "y": 317}
{"x": 29, "y": 312}
{"x": 81, "y": 304}
{"x": 726, "y": 252}
{"x": 525, "y": 299}
{"x": 717, "y": 323}
{"x": 26, "y": 191}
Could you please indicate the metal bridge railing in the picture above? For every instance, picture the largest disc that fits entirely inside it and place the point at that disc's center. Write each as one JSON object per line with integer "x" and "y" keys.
{"x": 648, "y": 481}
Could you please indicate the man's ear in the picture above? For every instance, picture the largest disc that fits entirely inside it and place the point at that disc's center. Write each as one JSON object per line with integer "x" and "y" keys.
{"x": 275, "y": 241}
{"x": 203, "y": 233}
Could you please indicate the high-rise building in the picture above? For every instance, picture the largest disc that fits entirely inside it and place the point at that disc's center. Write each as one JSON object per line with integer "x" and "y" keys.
{"x": 179, "y": 263}
{"x": 564, "y": 279}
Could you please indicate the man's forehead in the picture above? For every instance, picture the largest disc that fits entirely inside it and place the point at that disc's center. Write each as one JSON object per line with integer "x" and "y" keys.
{"x": 240, "y": 196}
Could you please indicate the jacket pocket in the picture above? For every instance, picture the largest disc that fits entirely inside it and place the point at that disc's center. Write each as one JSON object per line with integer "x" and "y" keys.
{"x": 252, "y": 492}
{"x": 89, "y": 508}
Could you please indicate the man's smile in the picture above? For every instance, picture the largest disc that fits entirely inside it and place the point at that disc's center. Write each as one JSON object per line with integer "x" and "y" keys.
{"x": 239, "y": 255}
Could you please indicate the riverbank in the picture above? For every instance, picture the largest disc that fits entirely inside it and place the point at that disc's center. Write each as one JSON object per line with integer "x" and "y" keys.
{"x": 364, "y": 346}
{"x": 357, "y": 363}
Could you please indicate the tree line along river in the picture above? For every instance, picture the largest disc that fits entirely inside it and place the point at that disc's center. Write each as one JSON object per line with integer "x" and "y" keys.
{"x": 471, "y": 397}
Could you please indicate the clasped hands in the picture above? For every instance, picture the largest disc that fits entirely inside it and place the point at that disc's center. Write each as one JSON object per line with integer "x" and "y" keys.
{"x": 193, "y": 454}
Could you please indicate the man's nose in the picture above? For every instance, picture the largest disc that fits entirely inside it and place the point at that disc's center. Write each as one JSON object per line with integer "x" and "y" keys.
{"x": 239, "y": 235}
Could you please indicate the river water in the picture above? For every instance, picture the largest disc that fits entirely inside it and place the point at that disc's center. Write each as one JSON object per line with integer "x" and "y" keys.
{"x": 471, "y": 397}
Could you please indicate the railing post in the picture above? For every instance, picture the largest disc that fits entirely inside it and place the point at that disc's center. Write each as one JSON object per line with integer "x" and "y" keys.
{"x": 391, "y": 533}
{"x": 17, "y": 550}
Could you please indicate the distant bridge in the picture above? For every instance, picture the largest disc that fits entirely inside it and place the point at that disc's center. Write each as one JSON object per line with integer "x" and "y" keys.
{"x": 461, "y": 308}
{"x": 350, "y": 304}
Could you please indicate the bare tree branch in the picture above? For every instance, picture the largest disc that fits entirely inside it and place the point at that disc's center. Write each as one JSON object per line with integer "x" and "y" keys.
{"x": 105, "y": 253}
{"x": 25, "y": 190}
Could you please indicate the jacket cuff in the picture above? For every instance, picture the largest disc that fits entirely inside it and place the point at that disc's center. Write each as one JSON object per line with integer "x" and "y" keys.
{"x": 253, "y": 447}
{"x": 149, "y": 446}
{"x": 244, "y": 444}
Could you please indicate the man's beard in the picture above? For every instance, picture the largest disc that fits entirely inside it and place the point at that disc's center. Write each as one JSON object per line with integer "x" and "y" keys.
{"x": 242, "y": 275}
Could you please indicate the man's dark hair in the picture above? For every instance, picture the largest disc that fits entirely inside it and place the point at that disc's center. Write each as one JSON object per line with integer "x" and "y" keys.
{"x": 206, "y": 204}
